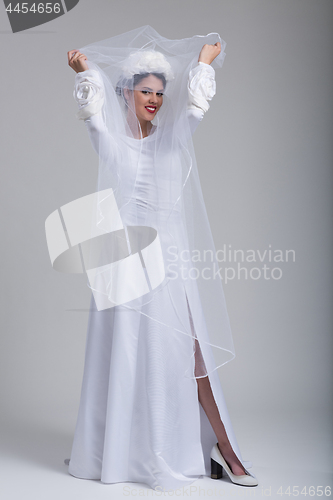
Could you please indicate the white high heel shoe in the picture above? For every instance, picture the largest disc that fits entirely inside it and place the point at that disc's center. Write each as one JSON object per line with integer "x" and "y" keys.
{"x": 218, "y": 464}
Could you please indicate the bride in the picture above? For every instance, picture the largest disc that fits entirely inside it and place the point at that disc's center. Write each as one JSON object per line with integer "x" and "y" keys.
{"x": 152, "y": 408}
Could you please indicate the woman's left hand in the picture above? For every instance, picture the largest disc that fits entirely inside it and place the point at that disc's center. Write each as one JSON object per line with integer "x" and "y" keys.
{"x": 209, "y": 52}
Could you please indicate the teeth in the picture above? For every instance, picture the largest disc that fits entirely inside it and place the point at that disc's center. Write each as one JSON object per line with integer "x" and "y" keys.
{"x": 152, "y": 109}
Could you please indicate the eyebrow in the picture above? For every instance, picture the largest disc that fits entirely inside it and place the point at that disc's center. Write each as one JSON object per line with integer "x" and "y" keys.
{"x": 151, "y": 90}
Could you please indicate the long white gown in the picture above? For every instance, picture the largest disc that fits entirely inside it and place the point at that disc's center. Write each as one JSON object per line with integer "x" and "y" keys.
{"x": 139, "y": 417}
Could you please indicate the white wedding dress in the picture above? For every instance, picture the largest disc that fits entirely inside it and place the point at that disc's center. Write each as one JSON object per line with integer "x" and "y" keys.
{"x": 139, "y": 418}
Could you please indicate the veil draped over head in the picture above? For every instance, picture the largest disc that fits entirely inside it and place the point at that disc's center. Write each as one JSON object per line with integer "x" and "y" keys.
{"x": 152, "y": 250}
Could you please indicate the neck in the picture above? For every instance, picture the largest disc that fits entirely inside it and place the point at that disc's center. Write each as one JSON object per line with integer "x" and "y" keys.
{"x": 138, "y": 127}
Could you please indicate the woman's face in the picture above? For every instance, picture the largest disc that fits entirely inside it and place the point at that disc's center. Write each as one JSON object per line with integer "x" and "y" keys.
{"x": 148, "y": 97}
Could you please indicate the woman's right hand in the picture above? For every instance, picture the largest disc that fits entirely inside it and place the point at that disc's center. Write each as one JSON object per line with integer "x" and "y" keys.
{"x": 76, "y": 61}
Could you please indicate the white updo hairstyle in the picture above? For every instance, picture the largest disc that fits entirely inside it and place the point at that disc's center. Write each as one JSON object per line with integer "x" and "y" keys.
{"x": 139, "y": 65}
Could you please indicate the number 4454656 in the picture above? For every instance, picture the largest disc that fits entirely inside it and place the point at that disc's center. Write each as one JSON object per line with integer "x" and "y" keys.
{"x": 310, "y": 491}
{"x": 36, "y": 8}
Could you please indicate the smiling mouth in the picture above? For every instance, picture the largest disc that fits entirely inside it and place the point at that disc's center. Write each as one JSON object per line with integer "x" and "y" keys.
{"x": 150, "y": 109}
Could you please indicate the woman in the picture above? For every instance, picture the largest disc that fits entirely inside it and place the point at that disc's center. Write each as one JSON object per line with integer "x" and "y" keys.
{"x": 151, "y": 353}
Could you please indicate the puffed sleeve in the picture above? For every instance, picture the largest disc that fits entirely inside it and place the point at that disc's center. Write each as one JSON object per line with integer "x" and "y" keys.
{"x": 90, "y": 95}
{"x": 201, "y": 89}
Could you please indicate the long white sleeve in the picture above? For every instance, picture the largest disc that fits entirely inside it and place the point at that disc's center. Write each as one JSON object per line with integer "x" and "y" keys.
{"x": 89, "y": 94}
{"x": 201, "y": 89}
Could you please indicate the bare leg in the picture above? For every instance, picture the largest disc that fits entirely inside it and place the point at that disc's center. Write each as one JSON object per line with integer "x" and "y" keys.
{"x": 207, "y": 401}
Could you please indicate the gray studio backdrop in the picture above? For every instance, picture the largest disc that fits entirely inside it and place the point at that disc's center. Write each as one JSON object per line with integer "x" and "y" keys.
{"x": 264, "y": 156}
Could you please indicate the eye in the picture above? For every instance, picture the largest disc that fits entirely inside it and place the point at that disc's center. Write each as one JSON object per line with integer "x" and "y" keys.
{"x": 160, "y": 94}
{"x": 146, "y": 92}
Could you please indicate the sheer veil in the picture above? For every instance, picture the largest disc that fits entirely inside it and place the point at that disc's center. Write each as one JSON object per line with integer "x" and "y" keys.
{"x": 151, "y": 236}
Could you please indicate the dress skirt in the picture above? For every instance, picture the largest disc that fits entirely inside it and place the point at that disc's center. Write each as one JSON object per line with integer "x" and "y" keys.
{"x": 139, "y": 417}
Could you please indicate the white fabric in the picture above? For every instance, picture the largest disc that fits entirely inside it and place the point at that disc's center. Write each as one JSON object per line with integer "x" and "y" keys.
{"x": 201, "y": 86}
{"x": 89, "y": 93}
{"x": 92, "y": 109}
{"x": 139, "y": 417}
{"x": 138, "y": 420}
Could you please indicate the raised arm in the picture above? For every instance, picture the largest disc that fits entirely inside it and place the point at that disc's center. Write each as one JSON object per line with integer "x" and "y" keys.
{"x": 90, "y": 96}
{"x": 201, "y": 85}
